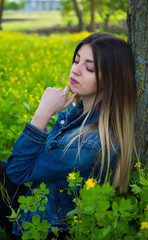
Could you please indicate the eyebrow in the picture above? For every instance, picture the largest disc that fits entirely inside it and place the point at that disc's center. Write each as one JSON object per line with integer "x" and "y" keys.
{"x": 87, "y": 60}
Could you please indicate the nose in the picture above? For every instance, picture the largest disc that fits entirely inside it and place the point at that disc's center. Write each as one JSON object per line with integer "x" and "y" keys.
{"x": 76, "y": 69}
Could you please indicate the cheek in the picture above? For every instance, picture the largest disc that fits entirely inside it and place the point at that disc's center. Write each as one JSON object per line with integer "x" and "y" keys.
{"x": 94, "y": 82}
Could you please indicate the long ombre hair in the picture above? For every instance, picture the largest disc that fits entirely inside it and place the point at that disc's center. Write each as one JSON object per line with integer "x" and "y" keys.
{"x": 113, "y": 57}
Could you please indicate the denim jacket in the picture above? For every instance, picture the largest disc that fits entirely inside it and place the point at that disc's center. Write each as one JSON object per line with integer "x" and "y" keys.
{"x": 39, "y": 156}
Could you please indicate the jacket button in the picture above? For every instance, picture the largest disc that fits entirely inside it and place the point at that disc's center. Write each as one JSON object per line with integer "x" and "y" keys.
{"x": 62, "y": 122}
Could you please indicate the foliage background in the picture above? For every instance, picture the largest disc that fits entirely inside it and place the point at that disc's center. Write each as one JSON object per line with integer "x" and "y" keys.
{"x": 29, "y": 64}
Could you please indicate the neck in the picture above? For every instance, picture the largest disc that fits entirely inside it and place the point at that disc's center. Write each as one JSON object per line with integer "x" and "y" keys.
{"x": 88, "y": 102}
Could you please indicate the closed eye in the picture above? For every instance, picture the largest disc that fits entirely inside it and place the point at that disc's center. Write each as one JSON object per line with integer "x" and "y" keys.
{"x": 90, "y": 70}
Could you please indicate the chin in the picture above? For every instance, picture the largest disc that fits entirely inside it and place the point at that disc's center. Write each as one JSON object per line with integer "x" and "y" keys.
{"x": 72, "y": 90}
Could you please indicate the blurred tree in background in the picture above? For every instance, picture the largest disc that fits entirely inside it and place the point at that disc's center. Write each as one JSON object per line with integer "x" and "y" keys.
{"x": 13, "y": 5}
{"x": 105, "y": 8}
{"x": 77, "y": 6}
{"x": 108, "y": 7}
{"x": 79, "y": 12}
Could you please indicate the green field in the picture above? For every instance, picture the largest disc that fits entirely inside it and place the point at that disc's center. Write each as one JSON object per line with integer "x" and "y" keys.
{"x": 28, "y": 65}
{"x": 36, "y": 20}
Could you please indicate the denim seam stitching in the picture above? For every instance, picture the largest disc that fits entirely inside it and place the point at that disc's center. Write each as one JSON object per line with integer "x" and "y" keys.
{"x": 32, "y": 139}
{"x": 36, "y": 130}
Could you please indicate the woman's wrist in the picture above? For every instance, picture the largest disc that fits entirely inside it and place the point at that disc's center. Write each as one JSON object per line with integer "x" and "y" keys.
{"x": 40, "y": 120}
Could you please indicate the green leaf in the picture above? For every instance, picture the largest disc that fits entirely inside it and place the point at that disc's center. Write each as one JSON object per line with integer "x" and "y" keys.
{"x": 55, "y": 230}
{"x": 22, "y": 206}
{"x": 45, "y": 225}
{"x": 129, "y": 238}
{"x": 125, "y": 204}
{"x": 36, "y": 219}
{"x": 35, "y": 234}
{"x": 33, "y": 208}
{"x": 28, "y": 184}
{"x": 107, "y": 189}
{"x": 22, "y": 199}
{"x": 13, "y": 214}
{"x": 89, "y": 210}
{"x": 72, "y": 213}
{"x": 43, "y": 186}
{"x": 143, "y": 181}
{"x": 26, "y": 236}
{"x": 27, "y": 225}
{"x": 42, "y": 208}
{"x": 106, "y": 231}
{"x": 45, "y": 200}
{"x": 135, "y": 188}
{"x": 115, "y": 208}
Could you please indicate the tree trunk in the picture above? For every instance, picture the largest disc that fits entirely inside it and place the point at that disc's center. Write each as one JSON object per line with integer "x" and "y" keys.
{"x": 137, "y": 21}
{"x": 1, "y": 12}
{"x": 106, "y": 22}
{"x": 79, "y": 13}
{"x": 92, "y": 20}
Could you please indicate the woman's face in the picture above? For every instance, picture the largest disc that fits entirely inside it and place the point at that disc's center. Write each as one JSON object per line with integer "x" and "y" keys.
{"x": 82, "y": 75}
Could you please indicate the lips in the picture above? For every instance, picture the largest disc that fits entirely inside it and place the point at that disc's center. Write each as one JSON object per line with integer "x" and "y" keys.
{"x": 73, "y": 81}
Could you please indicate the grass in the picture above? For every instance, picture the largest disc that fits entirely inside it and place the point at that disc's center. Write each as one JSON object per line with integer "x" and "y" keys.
{"x": 35, "y": 20}
{"x": 48, "y": 19}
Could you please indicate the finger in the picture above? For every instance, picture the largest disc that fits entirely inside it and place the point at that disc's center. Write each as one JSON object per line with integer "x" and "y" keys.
{"x": 70, "y": 100}
{"x": 66, "y": 90}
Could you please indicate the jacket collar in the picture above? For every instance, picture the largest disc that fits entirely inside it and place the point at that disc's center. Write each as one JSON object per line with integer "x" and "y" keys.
{"x": 71, "y": 115}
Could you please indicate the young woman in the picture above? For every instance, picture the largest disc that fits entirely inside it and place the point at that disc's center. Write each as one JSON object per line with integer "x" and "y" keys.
{"x": 96, "y": 136}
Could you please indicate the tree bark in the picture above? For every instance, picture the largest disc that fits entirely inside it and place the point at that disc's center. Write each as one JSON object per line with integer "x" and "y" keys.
{"x": 137, "y": 21}
{"x": 79, "y": 13}
{"x": 92, "y": 20}
{"x": 1, "y": 12}
{"x": 106, "y": 23}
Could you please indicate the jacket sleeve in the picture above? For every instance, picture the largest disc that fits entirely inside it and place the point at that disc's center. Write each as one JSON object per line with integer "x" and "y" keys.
{"x": 30, "y": 160}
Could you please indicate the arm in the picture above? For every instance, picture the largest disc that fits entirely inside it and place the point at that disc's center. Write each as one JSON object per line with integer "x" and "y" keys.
{"x": 31, "y": 162}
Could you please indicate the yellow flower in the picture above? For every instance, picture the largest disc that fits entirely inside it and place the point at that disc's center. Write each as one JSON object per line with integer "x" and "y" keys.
{"x": 144, "y": 225}
{"x": 138, "y": 164}
{"x": 25, "y": 116}
{"x": 76, "y": 220}
{"x": 61, "y": 191}
{"x": 90, "y": 183}
{"x": 72, "y": 176}
{"x": 146, "y": 209}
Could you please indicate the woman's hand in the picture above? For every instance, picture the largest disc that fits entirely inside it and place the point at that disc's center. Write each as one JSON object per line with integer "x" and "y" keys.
{"x": 52, "y": 102}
